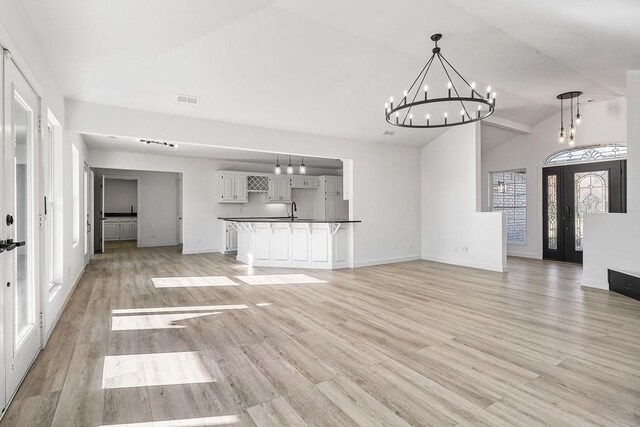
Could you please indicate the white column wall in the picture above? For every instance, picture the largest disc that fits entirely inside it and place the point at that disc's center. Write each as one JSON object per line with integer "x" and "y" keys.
{"x": 453, "y": 229}
{"x": 612, "y": 241}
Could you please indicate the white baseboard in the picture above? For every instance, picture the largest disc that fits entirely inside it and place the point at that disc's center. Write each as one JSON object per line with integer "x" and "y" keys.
{"x": 523, "y": 254}
{"x": 592, "y": 283}
{"x": 466, "y": 263}
{"x": 157, "y": 244}
{"x": 371, "y": 262}
{"x": 47, "y": 334}
{"x": 199, "y": 251}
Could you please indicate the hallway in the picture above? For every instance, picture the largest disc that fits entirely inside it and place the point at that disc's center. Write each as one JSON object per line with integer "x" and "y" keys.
{"x": 152, "y": 335}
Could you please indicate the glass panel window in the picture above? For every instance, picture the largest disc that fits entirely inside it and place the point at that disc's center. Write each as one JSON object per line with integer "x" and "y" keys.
{"x": 552, "y": 212}
{"x": 509, "y": 195}
{"x": 592, "y": 191}
{"x": 592, "y": 153}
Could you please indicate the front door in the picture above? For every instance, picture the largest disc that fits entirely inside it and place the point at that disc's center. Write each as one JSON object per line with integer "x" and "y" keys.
{"x": 569, "y": 192}
{"x": 18, "y": 227}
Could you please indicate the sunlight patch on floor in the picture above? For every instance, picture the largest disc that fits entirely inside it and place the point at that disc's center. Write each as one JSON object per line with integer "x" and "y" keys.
{"x": 179, "y": 309}
{"x": 279, "y": 279}
{"x": 153, "y": 369}
{"x": 221, "y": 420}
{"x": 154, "y": 321}
{"x": 188, "y": 282}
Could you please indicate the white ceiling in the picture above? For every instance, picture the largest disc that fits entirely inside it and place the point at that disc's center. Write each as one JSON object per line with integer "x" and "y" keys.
{"x": 327, "y": 67}
{"x": 132, "y": 145}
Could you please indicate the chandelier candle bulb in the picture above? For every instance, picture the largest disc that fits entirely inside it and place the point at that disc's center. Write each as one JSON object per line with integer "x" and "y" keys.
{"x": 427, "y": 120}
{"x": 397, "y": 120}
{"x": 449, "y": 89}
{"x": 488, "y": 92}
{"x": 473, "y": 89}
{"x": 462, "y": 114}
{"x": 426, "y": 88}
{"x": 391, "y": 101}
{"x": 445, "y": 118}
{"x": 410, "y": 119}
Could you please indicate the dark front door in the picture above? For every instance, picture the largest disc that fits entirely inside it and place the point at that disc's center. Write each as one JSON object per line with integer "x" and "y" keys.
{"x": 571, "y": 191}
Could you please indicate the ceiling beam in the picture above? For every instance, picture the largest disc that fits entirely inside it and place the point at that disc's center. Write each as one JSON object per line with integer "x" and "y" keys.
{"x": 507, "y": 124}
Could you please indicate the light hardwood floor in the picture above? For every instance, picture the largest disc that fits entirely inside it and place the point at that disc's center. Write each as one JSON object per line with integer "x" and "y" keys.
{"x": 414, "y": 343}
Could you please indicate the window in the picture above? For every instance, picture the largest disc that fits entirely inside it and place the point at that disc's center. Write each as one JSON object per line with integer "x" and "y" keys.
{"x": 76, "y": 195}
{"x": 591, "y": 153}
{"x": 509, "y": 195}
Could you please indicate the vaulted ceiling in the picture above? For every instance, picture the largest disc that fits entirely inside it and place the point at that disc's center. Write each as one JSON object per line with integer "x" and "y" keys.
{"x": 327, "y": 67}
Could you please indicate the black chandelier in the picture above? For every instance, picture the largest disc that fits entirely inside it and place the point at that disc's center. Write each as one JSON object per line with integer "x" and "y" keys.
{"x": 473, "y": 106}
{"x": 571, "y": 95}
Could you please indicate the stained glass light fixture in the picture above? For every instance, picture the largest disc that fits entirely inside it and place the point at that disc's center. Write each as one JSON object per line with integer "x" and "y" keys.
{"x": 571, "y": 95}
{"x": 423, "y": 107}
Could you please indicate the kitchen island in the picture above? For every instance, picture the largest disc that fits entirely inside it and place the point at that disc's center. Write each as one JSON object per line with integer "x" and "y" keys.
{"x": 295, "y": 243}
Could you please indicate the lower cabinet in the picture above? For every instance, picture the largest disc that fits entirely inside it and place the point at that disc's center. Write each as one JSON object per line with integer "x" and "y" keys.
{"x": 120, "y": 229}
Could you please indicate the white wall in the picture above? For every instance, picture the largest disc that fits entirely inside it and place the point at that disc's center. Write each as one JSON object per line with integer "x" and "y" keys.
{"x": 450, "y": 189}
{"x": 611, "y": 241}
{"x": 603, "y": 122}
{"x": 386, "y": 195}
{"x": 158, "y": 209}
{"x": 120, "y": 195}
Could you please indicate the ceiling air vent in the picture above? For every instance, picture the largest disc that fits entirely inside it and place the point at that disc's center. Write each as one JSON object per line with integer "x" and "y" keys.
{"x": 188, "y": 99}
{"x": 388, "y": 133}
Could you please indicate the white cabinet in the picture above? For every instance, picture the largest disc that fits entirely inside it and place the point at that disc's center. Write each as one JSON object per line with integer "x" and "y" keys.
{"x": 302, "y": 181}
{"x": 120, "y": 228}
{"x": 111, "y": 230}
{"x": 231, "y": 239}
{"x": 329, "y": 202}
{"x": 233, "y": 188}
{"x": 279, "y": 189}
{"x": 126, "y": 231}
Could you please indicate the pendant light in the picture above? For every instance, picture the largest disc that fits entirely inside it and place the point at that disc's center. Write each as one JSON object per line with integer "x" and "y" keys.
{"x": 303, "y": 168}
{"x": 574, "y": 94}
{"x": 277, "y": 169}
{"x": 289, "y": 167}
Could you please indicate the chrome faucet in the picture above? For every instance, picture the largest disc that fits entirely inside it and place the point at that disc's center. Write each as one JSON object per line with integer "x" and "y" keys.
{"x": 294, "y": 208}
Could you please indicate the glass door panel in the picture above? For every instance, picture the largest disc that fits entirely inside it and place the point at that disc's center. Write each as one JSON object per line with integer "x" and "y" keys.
{"x": 591, "y": 196}
{"x": 24, "y": 285}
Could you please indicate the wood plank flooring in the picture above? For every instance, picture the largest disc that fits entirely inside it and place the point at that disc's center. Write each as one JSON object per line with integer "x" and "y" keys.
{"x": 414, "y": 343}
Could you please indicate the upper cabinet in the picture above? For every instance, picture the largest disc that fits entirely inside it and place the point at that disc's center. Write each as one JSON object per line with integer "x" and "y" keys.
{"x": 302, "y": 181}
{"x": 279, "y": 189}
{"x": 233, "y": 188}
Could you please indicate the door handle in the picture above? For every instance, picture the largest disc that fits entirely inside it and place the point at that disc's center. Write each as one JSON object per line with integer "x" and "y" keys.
{"x": 9, "y": 245}
{"x": 88, "y": 227}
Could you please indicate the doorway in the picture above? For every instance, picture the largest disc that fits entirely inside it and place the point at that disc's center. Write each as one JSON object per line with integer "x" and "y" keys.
{"x": 571, "y": 191}
{"x": 20, "y": 332}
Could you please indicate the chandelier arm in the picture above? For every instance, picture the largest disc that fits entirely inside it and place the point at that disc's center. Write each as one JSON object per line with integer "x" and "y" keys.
{"x": 459, "y": 75}
{"x": 464, "y": 107}
{"x": 428, "y": 66}
{"x": 423, "y": 68}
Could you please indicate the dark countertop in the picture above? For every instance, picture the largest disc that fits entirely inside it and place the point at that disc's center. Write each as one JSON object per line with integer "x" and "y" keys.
{"x": 120, "y": 214}
{"x": 286, "y": 219}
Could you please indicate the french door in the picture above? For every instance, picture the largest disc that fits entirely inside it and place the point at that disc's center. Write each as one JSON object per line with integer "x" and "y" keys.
{"x": 20, "y": 314}
{"x": 571, "y": 191}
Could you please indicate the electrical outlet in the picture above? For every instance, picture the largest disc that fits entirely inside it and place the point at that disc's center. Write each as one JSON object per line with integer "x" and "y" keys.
{"x": 153, "y": 236}
{"x": 394, "y": 246}
{"x": 465, "y": 249}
